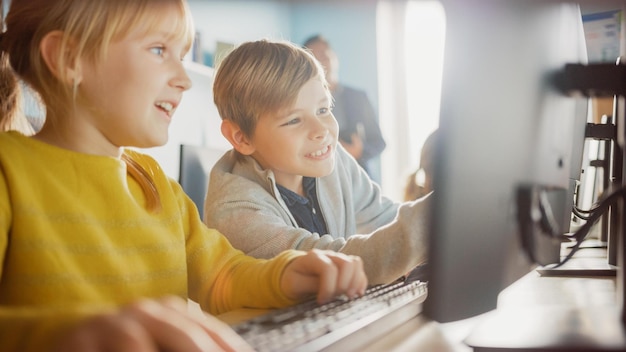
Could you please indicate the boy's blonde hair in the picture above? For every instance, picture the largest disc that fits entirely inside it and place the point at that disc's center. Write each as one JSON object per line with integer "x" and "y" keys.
{"x": 88, "y": 27}
{"x": 262, "y": 77}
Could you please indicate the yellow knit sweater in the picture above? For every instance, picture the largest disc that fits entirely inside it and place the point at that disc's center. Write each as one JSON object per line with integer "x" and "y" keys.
{"x": 76, "y": 239}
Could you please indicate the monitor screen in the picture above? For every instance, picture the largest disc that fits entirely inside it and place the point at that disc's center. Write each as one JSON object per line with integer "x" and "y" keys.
{"x": 503, "y": 124}
{"x": 196, "y": 163}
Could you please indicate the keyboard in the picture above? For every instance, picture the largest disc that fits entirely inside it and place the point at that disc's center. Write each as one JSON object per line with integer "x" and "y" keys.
{"x": 309, "y": 326}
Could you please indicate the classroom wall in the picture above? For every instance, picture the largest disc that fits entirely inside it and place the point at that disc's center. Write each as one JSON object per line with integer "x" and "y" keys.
{"x": 237, "y": 21}
{"x": 349, "y": 25}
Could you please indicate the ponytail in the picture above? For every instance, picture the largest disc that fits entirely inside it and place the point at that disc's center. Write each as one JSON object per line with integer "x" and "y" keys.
{"x": 10, "y": 94}
{"x": 146, "y": 182}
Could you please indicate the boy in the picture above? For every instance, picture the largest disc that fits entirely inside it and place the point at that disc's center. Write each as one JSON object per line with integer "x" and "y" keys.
{"x": 288, "y": 183}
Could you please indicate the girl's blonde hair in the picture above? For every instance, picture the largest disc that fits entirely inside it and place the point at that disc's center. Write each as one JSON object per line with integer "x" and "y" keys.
{"x": 11, "y": 104}
{"x": 262, "y": 77}
{"x": 88, "y": 26}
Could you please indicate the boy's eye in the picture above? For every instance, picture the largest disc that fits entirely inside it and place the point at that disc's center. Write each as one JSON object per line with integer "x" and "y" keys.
{"x": 324, "y": 111}
{"x": 292, "y": 122}
{"x": 158, "y": 50}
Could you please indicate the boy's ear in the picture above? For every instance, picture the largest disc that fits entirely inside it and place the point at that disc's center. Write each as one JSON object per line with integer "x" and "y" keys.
{"x": 60, "y": 61}
{"x": 237, "y": 138}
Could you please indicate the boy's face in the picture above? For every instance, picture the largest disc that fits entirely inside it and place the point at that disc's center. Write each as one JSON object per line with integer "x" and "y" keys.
{"x": 299, "y": 141}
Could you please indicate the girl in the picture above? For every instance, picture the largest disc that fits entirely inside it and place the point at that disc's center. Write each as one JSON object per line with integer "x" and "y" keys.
{"x": 95, "y": 239}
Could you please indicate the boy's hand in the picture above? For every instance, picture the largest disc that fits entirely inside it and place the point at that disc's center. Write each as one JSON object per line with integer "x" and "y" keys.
{"x": 326, "y": 273}
{"x": 153, "y": 325}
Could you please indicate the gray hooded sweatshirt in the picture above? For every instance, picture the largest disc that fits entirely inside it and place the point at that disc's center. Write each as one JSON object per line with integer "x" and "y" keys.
{"x": 244, "y": 204}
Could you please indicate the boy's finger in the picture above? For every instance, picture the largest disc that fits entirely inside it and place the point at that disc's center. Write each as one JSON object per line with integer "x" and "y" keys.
{"x": 321, "y": 264}
{"x": 327, "y": 273}
{"x": 351, "y": 279}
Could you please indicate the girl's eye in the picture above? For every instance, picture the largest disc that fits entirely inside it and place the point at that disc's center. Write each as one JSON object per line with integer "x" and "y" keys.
{"x": 158, "y": 50}
{"x": 323, "y": 111}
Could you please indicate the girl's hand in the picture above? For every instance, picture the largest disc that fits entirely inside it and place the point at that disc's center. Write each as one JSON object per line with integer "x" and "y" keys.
{"x": 153, "y": 325}
{"x": 326, "y": 273}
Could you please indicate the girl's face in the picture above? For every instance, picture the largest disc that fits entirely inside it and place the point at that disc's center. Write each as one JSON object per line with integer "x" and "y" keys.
{"x": 128, "y": 98}
{"x": 299, "y": 141}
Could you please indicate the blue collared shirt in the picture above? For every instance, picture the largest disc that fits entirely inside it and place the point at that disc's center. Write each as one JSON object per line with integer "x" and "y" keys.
{"x": 306, "y": 210}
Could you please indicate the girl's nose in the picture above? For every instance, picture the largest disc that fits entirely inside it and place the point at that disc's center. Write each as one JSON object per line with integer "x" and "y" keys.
{"x": 181, "y": 80}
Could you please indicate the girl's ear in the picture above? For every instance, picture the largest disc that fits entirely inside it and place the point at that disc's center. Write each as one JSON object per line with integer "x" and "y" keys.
{"x": 60, "y": 61}
{"x": 237, "y": 138}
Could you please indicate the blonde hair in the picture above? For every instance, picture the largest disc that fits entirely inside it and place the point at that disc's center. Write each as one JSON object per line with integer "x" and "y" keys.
{"x": 262, "y": 77}
{"x": 88, "y": 26}
{"x": 11, "y": 104}
{"x": 12, "y": 101}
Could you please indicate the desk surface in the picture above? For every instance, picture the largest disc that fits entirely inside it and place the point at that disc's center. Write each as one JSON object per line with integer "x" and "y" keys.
{"x": 555, "y": 313}
{"x": 584, "y": 310}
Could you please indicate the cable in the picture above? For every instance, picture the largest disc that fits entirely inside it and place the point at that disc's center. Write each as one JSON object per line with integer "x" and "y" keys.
{"x": 582, "y": 232}
{"x": 580, "y": 214}
{"x": 594, "y": 208}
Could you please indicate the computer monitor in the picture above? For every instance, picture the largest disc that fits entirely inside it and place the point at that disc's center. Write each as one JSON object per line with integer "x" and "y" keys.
{"x": 503, "y": 126}
{"x": 196, "y": 162}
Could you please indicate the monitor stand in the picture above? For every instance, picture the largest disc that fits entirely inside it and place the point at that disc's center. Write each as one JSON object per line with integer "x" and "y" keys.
{"x": 610, "y": 270}
{"x": 586, "y": 264}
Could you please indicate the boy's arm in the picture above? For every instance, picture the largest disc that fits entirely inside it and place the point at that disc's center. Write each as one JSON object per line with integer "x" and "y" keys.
{"x": 254, "y": 222}
{"x": 394, "y": 249}
{"x": 388, "y": 252}
{"x": 263, "y": 229}
{"x": 392, "y": 237}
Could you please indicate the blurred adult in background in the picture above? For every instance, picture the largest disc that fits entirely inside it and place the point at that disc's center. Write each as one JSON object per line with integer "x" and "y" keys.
{"x": 359, "y": 131}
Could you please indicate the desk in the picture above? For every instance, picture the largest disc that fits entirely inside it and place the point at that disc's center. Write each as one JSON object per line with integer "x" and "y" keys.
{"x": 582, "y": 309}
{"x": 555, "y": 313}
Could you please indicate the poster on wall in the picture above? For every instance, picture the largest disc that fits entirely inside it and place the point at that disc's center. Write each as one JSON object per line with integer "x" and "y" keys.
{"x": 603, "y": 35}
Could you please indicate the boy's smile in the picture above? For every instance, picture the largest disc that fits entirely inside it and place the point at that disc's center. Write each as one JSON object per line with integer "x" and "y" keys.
{"x": 299, "y": 141}
{"x": 323, "y": 153}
